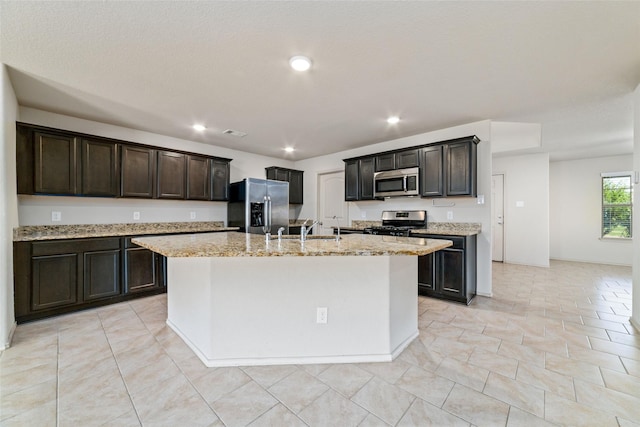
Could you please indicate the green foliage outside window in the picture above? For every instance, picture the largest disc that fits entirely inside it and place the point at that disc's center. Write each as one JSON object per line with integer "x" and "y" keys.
{"x": 617, "y": 197}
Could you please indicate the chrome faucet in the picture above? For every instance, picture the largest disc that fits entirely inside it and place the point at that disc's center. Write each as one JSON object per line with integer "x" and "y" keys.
{"x": 304, "y": 230}
{"x": 280, "y": 230}
{"x": 338, "y": 224}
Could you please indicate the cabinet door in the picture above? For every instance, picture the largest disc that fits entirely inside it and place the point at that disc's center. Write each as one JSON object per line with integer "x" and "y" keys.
{"x": 426, "y": 272}
{"x": 296, "y": 187}
{"x": 460, "y": 174}
{"x": 351, "y": 180}
{"x": 219, "y": 180}
{"x": 450, "y": 268}
{"x": 408, "y": 159}
{"x": 278, "y": 174}
{"x": 198, "y": 178}
{"x": 56, "y": 160}
{"x": 385, "y": 162}
{"x": 171, "y": 175}
{"x": 100, "y": 174}
{"x": 366, "y": 178}
{"x": 101, "y": 274}
{"x": 140, "y": 270}
{"x": 54, "y": 281}
{"x": 137, "y": 171}
{"x": 432, "y": 179}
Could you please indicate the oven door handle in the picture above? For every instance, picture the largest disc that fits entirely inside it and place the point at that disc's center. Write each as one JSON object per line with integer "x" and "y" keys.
{"x": 404, "y": 183}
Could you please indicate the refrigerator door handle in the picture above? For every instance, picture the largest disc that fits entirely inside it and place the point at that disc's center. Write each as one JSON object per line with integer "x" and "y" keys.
{"x": 267, "y": 206}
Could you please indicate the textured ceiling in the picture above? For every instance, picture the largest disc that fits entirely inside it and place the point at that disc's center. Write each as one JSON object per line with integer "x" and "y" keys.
{"x": 162, "y": 66}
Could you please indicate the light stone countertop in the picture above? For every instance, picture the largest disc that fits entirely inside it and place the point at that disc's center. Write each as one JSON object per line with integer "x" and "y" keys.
{"x": 443, "y": 228}
{"x": 255, "y": 245}
{"x": 450, "y": 229}
{"x": 81, "y": 231}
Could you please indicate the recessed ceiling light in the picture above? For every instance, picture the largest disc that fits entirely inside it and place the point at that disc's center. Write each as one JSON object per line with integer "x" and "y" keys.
{"x": 199, "y": 128}
{"x": 300, "y": 63}
{"x": 289, "y": 149}
{"x": 393, "y": 120}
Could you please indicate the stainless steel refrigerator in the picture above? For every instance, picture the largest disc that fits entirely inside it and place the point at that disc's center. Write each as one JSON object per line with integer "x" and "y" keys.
{"x": 259, "y": 205}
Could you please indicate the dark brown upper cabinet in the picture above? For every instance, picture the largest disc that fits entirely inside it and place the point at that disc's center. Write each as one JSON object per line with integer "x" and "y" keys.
{"x": 398, "y": 160}
{"x": 461, "y": 164}
{"x": 56, "y": 164}
{"x": 295, "y": 178}
{"x": 447, "y": 168}
{"x": 432, "y": 184}
{"x": 385, "y": 162}
{"x": 408, "y": 159}
{"x": 219, "y": 180}
{"x": 54, "y": 161}
{"x": 171, "y": 175}
{"x": 351, "y": 180}
{"x": 198, "y": 178}
{"x": 100, "y": 168}
{"x": 138, "y": 170}
{"x": 358, "y": 179}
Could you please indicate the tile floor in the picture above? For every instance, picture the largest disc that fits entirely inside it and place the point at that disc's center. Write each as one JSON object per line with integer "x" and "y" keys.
{"x": 552, "y": 347}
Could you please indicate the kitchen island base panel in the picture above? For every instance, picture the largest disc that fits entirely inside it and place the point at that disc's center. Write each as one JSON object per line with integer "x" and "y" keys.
{"x": 262, "y": 310}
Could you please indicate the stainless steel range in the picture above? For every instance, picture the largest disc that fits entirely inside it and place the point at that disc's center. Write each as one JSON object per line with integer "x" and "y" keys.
{"x": 399, "y": 223}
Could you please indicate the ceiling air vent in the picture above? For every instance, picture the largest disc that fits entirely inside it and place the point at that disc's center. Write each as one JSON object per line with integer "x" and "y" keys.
{"x": 234, "y": 133}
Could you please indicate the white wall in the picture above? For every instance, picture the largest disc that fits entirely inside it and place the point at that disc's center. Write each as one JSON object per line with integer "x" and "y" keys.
{"x": 576, "y": 211}
{"x": 8, "y": 204}
{"x": 36, "y": 210}
{"x": 526, "y": 228}
{"x": 465, "y": 209}
{"x": 635, "y": 317}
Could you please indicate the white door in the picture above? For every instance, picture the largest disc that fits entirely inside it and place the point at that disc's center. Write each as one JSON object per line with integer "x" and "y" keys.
{"x": 497, "y": 217}
{"x": 332, "y": 209}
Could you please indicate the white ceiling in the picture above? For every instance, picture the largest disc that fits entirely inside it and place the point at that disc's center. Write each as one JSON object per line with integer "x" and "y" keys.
{"x": 162, "y": 66}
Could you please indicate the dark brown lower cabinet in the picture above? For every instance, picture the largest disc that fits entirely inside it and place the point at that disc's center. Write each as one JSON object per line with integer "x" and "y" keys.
{"x": 143, "y": 268}
{"x": 60, "y": 276}
{"x": 102, "y": 274}
{"x": 55, "y": 281}
{"x": 449, "y": 273}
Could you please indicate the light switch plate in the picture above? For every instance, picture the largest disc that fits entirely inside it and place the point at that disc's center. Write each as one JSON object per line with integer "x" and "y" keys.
{"x": 519, "y": 204}
{"x": 449, "y": 215}
{"x": 481, "y": 199}
{"x": 192, "y": 215}
{"x": 56, "y": 216}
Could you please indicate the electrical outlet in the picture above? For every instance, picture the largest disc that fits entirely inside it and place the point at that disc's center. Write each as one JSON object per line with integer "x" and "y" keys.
{"x": 192, "y": 215}
{"x": 481, "y": 199}
{"x": 56, "y": 216}
{"x": 136, "y": 215}
{"x": 449, "y": 215}
{"x": 321, "y": 315}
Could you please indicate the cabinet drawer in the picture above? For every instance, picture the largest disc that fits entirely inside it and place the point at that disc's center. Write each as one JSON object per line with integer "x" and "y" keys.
{"x": 74, "y": 246}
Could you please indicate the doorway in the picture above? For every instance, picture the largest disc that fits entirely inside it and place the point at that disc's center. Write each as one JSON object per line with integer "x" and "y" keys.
{"x": 497, "y": 217}
{"x": 332, "y": 209}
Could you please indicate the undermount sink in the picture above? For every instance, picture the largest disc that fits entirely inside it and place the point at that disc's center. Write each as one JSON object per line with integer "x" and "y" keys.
{"x": 310, "y": 237}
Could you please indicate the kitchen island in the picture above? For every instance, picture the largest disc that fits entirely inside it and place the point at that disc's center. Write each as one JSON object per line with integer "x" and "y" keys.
{"x": 240, "y": 299}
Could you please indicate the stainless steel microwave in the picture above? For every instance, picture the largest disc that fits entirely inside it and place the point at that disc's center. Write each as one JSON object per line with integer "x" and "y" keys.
{"x": 395, "y": 183}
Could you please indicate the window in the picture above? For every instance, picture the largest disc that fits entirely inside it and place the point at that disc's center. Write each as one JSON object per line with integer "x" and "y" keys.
{"x": 617, "y": 208}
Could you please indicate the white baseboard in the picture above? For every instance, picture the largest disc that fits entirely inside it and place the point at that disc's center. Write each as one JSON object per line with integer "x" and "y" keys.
{"x": 590, "y": 262}
{"x": 12, "y": 331}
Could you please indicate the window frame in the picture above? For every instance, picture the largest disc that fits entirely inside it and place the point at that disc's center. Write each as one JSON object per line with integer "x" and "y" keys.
{"x": 623, "y": 174}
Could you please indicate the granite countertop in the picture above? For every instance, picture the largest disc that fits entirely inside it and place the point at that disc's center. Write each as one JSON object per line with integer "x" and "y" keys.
{"x": 450, "y": 229}
{"x": 443, "y": 228}
{"x": 80, "y": 231}
{"x": 255, "y": 245}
